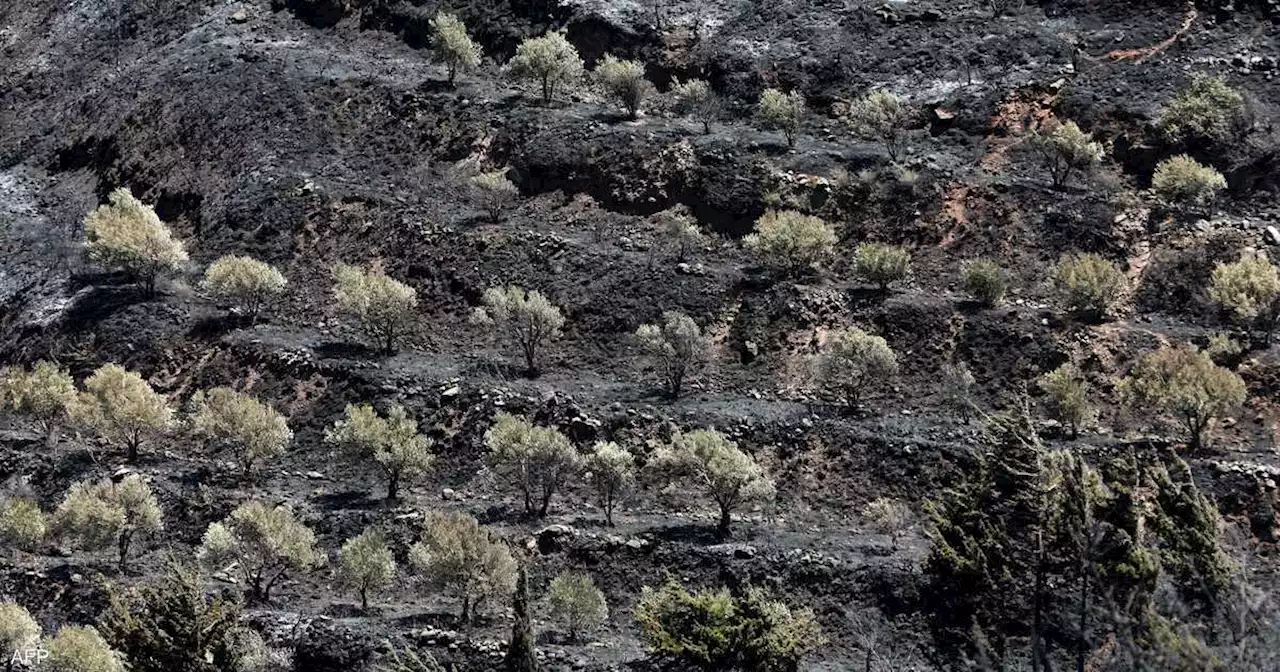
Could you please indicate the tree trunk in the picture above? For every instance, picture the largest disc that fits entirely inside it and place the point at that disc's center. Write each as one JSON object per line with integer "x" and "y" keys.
{"x": 1037, "y": 645}
{"x": 608, "y": 510}
{"x": 453, "y": 71}
{"x": 725, "y": 521}
{"x": 131, "y": 455}
{"x": 364, "y": 596}
{"x": 125, "y": 538}
{"x": 393, "y": 486}
{"x": 466, "y": 610}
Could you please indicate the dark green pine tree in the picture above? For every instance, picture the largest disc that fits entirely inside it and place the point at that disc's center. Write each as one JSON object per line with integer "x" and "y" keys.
{"x": 520, "y": 654}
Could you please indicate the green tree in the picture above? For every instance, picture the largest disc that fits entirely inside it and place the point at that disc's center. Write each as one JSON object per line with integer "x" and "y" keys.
{"x": 613, "y": 472}
{"x": 549, "y": 60}
{"x": 882, "y": 264}
{"x": 624, "y": 81}
{"x": 452, "y": 46}
{"x": 1065, "y": 150}
{"x": 245, "y": 281}
{"x": 522, "y": 655}
{"x": 126, "y": 234}
{"x": 852, "y": 362}
{"x": 121, "y": 408}
{"x": 98, "y": 515}
{"x": 711, "y": 462}
{"x": 1183, "y": 181}
{"x": 263, "y": 542}
{"x": 537, "y": 460}
{"x": 1067, "y": 397}
{"x": 494, "y": 192}
{"x": 1206, "y": 110}
{"x": 884, "y": 117}
{"x": 577, "y": 604}
{"x": 697, "y": 99}
{"x": 393, "y": 443}
{"x": 782, "y": 111}
{"x": 679, "y": 232}
{"x": 252, "y": 429}
{"x": 1250, "y": 289}
{"x": 789, "y": 241}
{"x": 888, "y": 516}
{"x": 22, "y": 523}
{"x": 676, "y": 348}
{"x": 459, "y": 555}
{"x": 527, "y": 318}
{"x": 1183, "y": 382}
{"x": 984, "y": 280}
{"x": 365, "y": 563}
{"x": 384, "y": 306}
{"x": 19, "y": 632}
{"x": 44, "y": 395}
{"x": 79, "y": 648}
{"x": 1087, "y": 284}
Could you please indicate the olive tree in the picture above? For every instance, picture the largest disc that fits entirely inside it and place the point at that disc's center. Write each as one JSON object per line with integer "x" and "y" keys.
{"x": 888, "y": 516}
{"x": 452, "y": 46}
{"x": 392, "y": 443}
{"x": 613, "y": 473}
{"x": 679, "y": 232}
{"x": 1067, "y": 397}
{"x": 1065, "y": 150}
{"x": 884, "y": 117}
{"x": 1088, "y": 284}
{"x": 1184, "y": 382}
{"x": 550, "y": 60}
{"x": 250, "y": 428}
{"x": 1183, "y": 181}
{"x": 852, "y": 362}
{"x": 262, "y": 542}
{"x": 494, "y": 192}
{"x": 19, "y": 632}
{"x": 984, "y": 280}
{"x": 245, "y": 281}
{"x": 121, "y": 408}
{"x": 882, "y": 264}
{"x": 624, "y": 81}
{"x": 22, "y": 523}
{"x": 676, "y": 348}
{"x": 1250, "y": 289}
{"x": 79, "y": 648}
{"x": 537, "y": 460}
{"x": 383, "y": 305}
{"x": 782, "y": 111}
{"x": 460, "y": 556}
{"x": 527, "y": 318}
{"x": 126, "y": 234}
{"x": 365, "y": 564}
{"x": 710, "y": 461}
{"x": 98, "y": 515}
{"x": 789, "y": 241}
{"x": 44, "y": 395}
{"x": 1206, "y": 110}
{"x": 697, "y": 99}
{"x": 577, "y": 604}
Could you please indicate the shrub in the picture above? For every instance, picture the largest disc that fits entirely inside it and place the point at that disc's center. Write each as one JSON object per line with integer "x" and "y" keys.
{"x": 494, "y": 192}
{"x": 22, "y": 523}
{"x": 79, "y": 648}
{"x": 1250, "y": 289}
{"x": 252, "y": 429}
{"x": 1183, "y": 382}
{"x": 384, "y": 306}
{"x": 625, "y": 82}
{"x": 549, "y": 60}
{"x": 122, "y": 408}
{"x": 19, "y": 632}
{"x": 709, "y": 460}
{"x": 853, "y": 361}
{"x": 1181, "y": 180}
{"x": 782, "y": 111}
{"x": 365, "y": 563}
{"x": 679, "y": 231}
{"x": 452, "y": 45}
{"x": 127, "y": 235}
{"x": 882, "y": 264}
{"x": 712, "y": 630}
{"x": 1065, "y": 150}
{"x": 957, "y": 389}
{"x": 613, "y": 472}
{"x": 537, "y": 460}
{"x": 888, "y": 516}
{"x": 676, "y": 348}
{"x": 1205, "y": 110}
{"x": 393, "y": 443}
{"x": 95, "y": 516}
{"x": 697, "y": 99}
{"x": 984, "y": 280}
{"x": 577, "y": 604}
{"x": 458, "y": 555}
{"x": 263, "y": 542}
{"x": 789, "y": 241}
{"x": 1088, "y": 284}
{"x": 44, "y": 394}
{"x": 1067, "y": 397}
{"x": 884, "y": 117}
{"x": 528, "y": 319}
{"x": 247, "y": 282}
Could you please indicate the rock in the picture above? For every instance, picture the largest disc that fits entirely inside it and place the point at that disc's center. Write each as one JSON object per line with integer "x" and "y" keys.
{"x": 748, "y": 352}
{"x": 448, "y": 494}
{"x": 1273, "y": 235}
{"x": 240, "y": 16}
{"x": 328, "y": 646}
{"x": 451, "y": 392}
{"x": 315, "y": 475}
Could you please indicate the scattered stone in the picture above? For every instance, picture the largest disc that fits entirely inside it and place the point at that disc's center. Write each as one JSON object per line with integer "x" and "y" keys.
{"x": 240, "y": 16}
{"x": 315, "y": 475}
{"x": 1273, "y": 235}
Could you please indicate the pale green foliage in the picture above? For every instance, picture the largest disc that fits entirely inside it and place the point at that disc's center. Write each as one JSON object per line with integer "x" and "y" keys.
{"x": 383, "y": 305}
{"x": 710, "y": 461}
{"x": 676, "y": 348}
{"x": 782, "y": 111}
{"x": 1207, "y": 109}
{"x": 393, "y": 443}
{"x": 882, "y": 116}
{"x": 245, "y": 281}
{"x": 458, "y": 555}
{"x": 697, "y": 99}
{"x": 984, "y": 280}
{"x": 888, "y": 516}
{"x": 549, "y": 60}
{"x": 577, "y": 604}
{"x": 365, "y": 563}
{"x": 452, "y": 45}
{"x": 790, "y": 241}
{"x": 957, "y": 388}
{"x": 853, "y": 361}
{"x": 79, "y": 648}
{"x": 1181, "y": 180}
{"x": 1185, "y": 383}
{"x": 96, "y": 515}
{"x": 537, "y": 460}
{"x": 527, "y": 318}
{"x": 22, "y": 523}
{"x": 18, "y": 630}
{"x": 882, "y": 264}
{"x": 254, "y": 430}
{"x": 1088, "y": 284}
{"x": 494, "y": 192}
{"x": 127, "y": 235}
{"x": 44, "y": 394}
{"x": 1222, "y": 348}
{"x": 1065, "y": 150}
{"x": 121, "y": 408}
{"x": 613, "y": 473}
{"x": 1067, "y": 397}
{"x": 624, "y": 81}
{"x": 679, "y": 231}
{"x": 1250, "y": 289}
{"x": 408, "y": 660}
{"x": 264, "y": 542}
